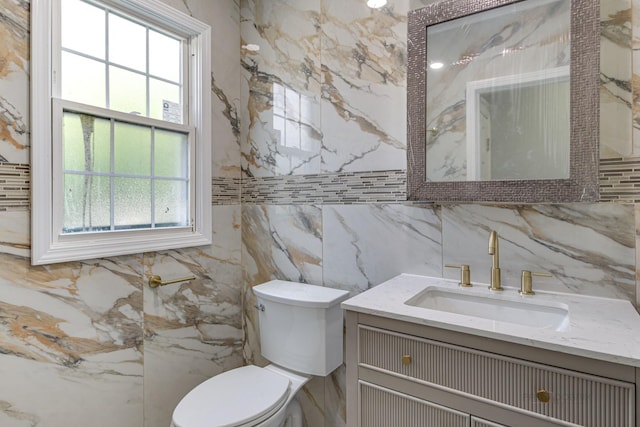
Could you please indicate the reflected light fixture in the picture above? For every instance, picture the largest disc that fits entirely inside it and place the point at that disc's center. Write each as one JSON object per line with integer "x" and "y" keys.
{"x": 251, "y": 47}
{"x": 376, "y": 4}
{"x": 436, "y": 65}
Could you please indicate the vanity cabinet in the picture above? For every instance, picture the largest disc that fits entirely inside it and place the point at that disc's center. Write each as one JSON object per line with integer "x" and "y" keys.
{"x": 404, "y": 374}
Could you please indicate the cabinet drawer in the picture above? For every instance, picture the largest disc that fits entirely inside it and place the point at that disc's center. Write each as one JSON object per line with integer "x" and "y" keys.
{"x": 479, "y": 422}
{"x": 381, "y": 407}
{"x": 528, "y": 387}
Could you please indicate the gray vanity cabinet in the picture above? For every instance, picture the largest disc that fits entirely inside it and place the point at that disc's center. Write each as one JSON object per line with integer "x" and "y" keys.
{"x": 403, "y": 374}
{"x": 383, "y": 407}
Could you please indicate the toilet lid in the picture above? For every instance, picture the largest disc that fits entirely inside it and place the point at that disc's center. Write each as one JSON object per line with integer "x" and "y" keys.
{"x": 233, "y": 398}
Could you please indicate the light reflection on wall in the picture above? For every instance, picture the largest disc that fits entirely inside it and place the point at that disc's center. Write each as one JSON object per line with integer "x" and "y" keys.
{"x": 291, "y": 114}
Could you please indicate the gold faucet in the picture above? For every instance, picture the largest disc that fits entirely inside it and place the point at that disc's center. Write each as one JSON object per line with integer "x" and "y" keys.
{"x": 495, "y": 263}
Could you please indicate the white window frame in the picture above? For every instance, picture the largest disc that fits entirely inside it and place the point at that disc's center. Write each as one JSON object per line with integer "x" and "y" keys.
{"x": 48, "y": 244}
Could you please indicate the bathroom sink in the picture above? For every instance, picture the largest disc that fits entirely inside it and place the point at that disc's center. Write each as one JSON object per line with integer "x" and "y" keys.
{"x": 499, "y": 308}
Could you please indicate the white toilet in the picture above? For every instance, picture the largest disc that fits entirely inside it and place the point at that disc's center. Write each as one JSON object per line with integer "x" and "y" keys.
{"x": 301, "y": 334}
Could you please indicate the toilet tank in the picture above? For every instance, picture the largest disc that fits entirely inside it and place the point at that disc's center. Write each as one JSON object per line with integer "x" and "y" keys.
{"x": 301, "y": 325}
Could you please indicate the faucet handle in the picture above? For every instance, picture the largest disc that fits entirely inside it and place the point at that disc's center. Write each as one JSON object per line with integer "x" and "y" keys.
{"x": 465, "y": 274}
{"x": 526, "y": 282}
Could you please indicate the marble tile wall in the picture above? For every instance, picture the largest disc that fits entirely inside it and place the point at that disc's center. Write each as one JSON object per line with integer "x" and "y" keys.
{"x": 589, "y": 248}
{"x": 89, "y": 343}
{"x": 281, "y": 87}
{"x": 363, "y": 66}
{"x": 617, "y": 125}
{"x": 324, "y": 94}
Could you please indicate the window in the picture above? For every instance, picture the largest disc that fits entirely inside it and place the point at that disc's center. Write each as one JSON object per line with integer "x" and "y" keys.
{"x": 120, "y": 129}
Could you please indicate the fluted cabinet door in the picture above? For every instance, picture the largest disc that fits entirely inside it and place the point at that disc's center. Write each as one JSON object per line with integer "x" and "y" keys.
{"x": 538, "y": 390}
{"x": 381, "y": 407}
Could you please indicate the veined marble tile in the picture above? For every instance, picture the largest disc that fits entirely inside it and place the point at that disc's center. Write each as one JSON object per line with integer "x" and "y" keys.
{"x": 278, "y": 242}
{"x": 224, "y": 18}
{"x": 212, "y": 298}
{"x": 364, "y": 245}
{"x": 313, "y": 401}
{"x": 70, "y": 309}
{"x": 635, "y": 87}
{"x": 177, "y": 360}
{"x": 215, "y": 295}
{"x": 193, "y": 330}
{"x": 281, "y": 122}
{"x": 617, "y": 114}
{"x": 102, "y": 390}
{"x": 336, "y": 398}
{"x": 417, "y": 4}
{"x": 363, "y": 86}
{"x": 14, "y": 81}
{"x": 637, "y": 234}
{"x": 15, "y": 234}
{"x": 589, "y": 249}
{"x": 282, "y": 242}
{"x": 74, "y": 327}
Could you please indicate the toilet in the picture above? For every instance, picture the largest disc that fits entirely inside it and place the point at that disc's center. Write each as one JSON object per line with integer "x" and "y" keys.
{"x": 300, "y": 334}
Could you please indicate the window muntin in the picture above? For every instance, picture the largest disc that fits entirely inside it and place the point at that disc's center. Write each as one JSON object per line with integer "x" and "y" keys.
{"x": 137, "y": 71}
{"x": 189, "y": 115}
{"x": 110, "y": 60}
{"x": 120, "y": 176}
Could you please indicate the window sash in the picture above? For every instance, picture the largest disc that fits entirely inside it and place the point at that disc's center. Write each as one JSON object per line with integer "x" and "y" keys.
{"x": 60, "y": 107}
{"x": 47, "y": 244}
{"x": 183, "y": 84}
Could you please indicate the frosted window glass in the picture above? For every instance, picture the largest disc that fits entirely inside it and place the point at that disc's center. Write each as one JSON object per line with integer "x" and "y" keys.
{"x": 171, "y": 154}
{"x": 127, "y": 43}
{"x": 82, "y": 28}
{"x": 127, "y": 91}
{"x": 86, "y": 143}
{"x": 132, "y": 203}
{"x": 164, "y": 56}
{"x": 83, "y": 80}
{"x": 132, "y": 149}
{"x": 86, "y": 203}
{"x": 159, "y": 92}
{"x": 171, "y": 203}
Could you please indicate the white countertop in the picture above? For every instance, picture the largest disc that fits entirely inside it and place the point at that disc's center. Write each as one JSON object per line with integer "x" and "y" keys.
{"x": 600, "y": 328}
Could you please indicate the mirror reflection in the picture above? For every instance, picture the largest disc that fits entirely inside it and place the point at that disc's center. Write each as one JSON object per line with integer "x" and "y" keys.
{"x": 497, "y": 94}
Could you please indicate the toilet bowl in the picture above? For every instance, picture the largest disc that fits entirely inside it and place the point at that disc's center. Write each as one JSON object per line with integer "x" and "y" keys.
{"x": 301, "y": 334}
{"x": 246, "y": 396}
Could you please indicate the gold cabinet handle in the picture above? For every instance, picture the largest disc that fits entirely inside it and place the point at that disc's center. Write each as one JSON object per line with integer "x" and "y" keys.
{"x": 543, "y": 396}
{"x": 155, "y": 281}
{"x": 465, "y": 274}
{"x": 406, "y": 359}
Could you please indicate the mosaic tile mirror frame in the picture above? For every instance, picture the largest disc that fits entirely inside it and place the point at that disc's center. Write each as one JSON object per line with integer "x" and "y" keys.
{"x": 584, "y": 64}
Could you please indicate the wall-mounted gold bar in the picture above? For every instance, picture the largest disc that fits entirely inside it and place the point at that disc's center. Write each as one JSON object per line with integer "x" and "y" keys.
{"x": 155, "y": 281}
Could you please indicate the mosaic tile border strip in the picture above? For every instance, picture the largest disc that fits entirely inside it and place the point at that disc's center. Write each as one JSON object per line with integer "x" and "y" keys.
{"x": 620, "y": 180}
{"x": 225, "y": 191}
{"x": 331, "y": 188}
{"x": 15, "y": 186}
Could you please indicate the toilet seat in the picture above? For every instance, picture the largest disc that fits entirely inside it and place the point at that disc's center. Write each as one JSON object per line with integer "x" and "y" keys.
{"x": 243, "y": 396}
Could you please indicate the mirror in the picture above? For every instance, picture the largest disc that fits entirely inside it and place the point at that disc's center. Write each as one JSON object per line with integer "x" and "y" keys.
{"x": 503, "y": 101}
